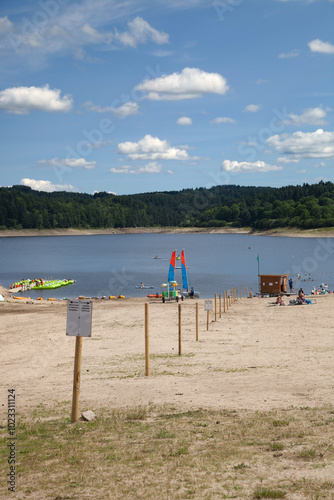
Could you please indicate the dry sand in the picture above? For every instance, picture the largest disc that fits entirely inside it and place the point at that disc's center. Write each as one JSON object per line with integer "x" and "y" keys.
{"x": 256, "y": 356}
{"x": 286, "y": 232}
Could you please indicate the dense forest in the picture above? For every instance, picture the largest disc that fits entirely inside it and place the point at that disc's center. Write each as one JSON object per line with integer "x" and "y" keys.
{"x": 306, "y": 206}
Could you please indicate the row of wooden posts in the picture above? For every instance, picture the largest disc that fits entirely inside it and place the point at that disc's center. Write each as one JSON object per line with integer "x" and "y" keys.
{"x": 225, "y": 302}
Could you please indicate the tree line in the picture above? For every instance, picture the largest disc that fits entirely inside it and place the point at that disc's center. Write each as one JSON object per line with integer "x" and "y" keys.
{"x": 306, "y": 206}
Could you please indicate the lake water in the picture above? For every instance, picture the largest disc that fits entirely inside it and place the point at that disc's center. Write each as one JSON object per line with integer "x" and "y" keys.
{"x": 115, "y": 264}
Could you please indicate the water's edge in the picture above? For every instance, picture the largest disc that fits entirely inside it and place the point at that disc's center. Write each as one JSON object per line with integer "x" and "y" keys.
{"x": 283, "y": 232}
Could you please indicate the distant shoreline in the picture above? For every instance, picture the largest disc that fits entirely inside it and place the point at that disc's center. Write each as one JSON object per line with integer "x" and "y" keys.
{"x": 282, "y": 232}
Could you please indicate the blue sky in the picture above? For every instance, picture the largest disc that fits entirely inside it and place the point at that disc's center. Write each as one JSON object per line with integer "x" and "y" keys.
{"x": 136, "y": 96}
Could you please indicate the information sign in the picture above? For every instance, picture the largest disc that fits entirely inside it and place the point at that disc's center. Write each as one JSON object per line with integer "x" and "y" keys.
{"x": 79, "y": 318}
{"x": 208, "y": 305}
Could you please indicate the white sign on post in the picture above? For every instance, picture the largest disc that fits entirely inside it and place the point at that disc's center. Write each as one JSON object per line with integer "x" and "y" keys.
{"x": 79, "y": 318}
{"x": 208, "y": 305}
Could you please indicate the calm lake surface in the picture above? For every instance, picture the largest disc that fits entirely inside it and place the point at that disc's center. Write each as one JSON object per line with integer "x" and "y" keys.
{"x": 115, "y": 264}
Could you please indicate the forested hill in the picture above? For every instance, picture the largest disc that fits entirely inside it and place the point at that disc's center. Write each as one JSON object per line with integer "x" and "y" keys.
{"x": 306, "y": 206}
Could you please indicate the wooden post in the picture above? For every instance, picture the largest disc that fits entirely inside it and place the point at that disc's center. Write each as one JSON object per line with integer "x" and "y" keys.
{"x": 237, "y": 295}
{"x": 76, "y": 380}
{"x": 244, "y": 292}
{"x": 196, "y": 321}
{"x": 247, "y": 291}
{"x": 227, "y": 300}
{"x": 180, "y": 330}
{"x": 215, "y": 307}
{"x": 147, "y": 345}
{"x": 207, "y": 320}
{"x": 220, "y": 305}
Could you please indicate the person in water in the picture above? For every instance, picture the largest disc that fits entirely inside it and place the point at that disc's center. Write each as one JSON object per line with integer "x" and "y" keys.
{"x": 192, "y": 291}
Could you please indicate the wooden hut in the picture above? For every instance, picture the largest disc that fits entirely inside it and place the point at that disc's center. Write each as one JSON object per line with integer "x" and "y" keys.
{"x": 273, "y": 284}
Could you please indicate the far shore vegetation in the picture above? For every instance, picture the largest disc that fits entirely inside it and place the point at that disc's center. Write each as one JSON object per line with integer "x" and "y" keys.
{"x": 310, "y": 206}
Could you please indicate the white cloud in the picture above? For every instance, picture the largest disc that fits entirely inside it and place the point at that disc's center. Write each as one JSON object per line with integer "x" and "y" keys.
{"x": 150, "y": 168}
{"x": 311, "y": 116}
{"x": 22, "y": 100}
{"x": 151, "y": 148}
{"x": 69, "y": 162}
{"x": 184, "y": 120}
{"x": 319, "y": 46}
{"x": 223, "y": 119}
{"x": 5, "y": 25}
{"x": 126, "y": 109}
{"x": 245, "y": 166}
{"x": 139, "y": 31}
{"x": 288, "y": 55}
{"x": 47, "y": 186}
{"x": 77, "y": 25}
{"x": 283, "y": 159}
{"x": 252, "y": 108}
{"x": 189, "y": 84}
{"x": 318, "y": 144}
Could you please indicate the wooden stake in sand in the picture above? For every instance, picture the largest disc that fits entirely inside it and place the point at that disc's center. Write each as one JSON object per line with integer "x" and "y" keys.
{"x": 147, "y": 346}
{"x": 180, "y": 329}
{"x": 197, "y": 321}
{"x": 76, "y": 380}
{"x": 215, "y": 307}
{"x": 79, "y": 324}
{"x": 220, "y": 305}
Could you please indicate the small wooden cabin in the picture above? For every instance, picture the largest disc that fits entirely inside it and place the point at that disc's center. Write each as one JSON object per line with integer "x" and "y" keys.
{"x": 273, "y": 284}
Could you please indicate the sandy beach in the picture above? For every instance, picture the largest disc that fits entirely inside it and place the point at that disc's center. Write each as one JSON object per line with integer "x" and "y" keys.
{"x": 283, "y": 232}
{"x": 256, "y": 356}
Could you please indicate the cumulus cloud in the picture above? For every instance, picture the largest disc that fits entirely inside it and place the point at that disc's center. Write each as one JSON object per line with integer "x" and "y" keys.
{"x": 311, "y": 116}
{"x": 245, "y": 166}
{"x": 22, "y": 100}
{"x": 184, "y": 120}
{"x": 189, "y": 84}
{"x": 151, "y": 148}
{"x": 69, "y": 162}
{"x": 126, "y": 109}
{"x": 288, "y": 55}
{"x": 319, "y": 46}
{"x": 318, "y": 144}
{"x": 252, "y": 108}
{"x": 223, "y": 119}
{"x": 150, "y": 168}
{"x": 47, "y": 186}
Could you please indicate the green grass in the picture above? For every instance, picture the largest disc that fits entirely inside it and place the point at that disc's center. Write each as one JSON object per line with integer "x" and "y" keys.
{"x": 148, "y": 452}
{"x": 269, "y": 493}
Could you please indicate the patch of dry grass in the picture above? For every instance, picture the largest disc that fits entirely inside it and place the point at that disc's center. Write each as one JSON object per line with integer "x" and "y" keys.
{"x": 162, "y": 453}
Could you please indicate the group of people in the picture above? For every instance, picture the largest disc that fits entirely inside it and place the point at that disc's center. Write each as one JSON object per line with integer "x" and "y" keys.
{"x": 301, "y": 300}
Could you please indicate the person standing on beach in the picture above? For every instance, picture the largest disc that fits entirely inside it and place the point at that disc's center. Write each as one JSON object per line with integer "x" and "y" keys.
{"x": 291, "y": 284}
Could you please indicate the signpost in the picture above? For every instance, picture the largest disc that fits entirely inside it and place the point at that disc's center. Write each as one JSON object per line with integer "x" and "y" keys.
{"x": 79, "y": 324}
{"x": 208, "y": 308}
